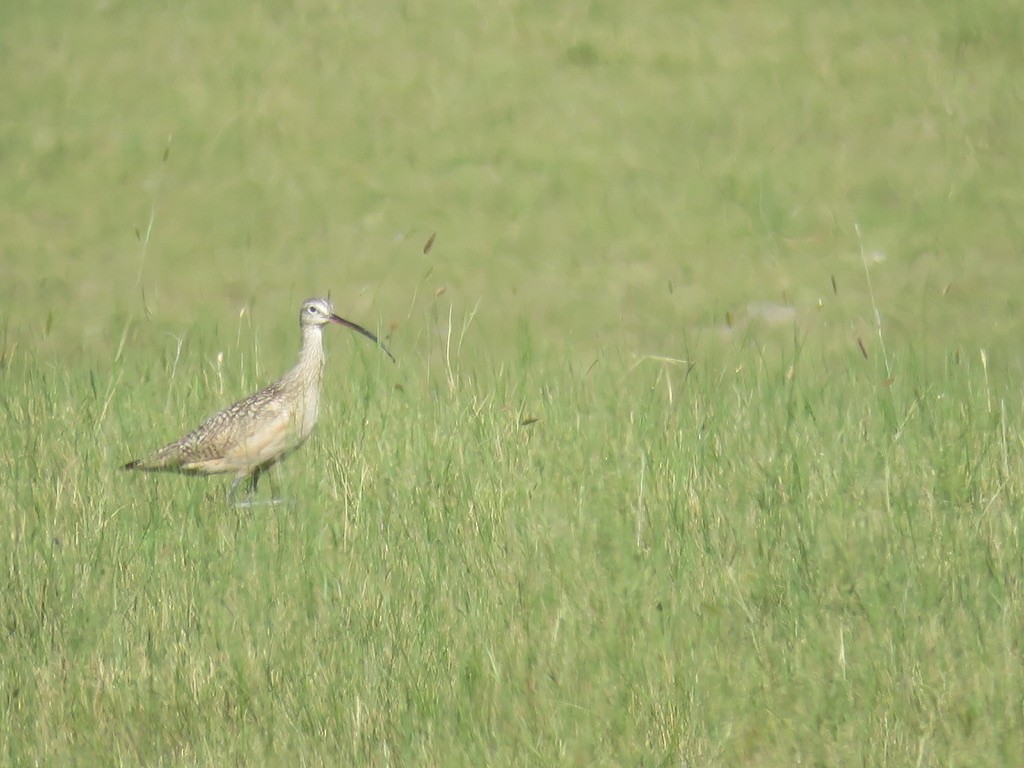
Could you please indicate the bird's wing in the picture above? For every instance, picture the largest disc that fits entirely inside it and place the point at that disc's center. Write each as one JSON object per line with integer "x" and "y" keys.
{"x": 267, "y": 438}
{"x": 222, "y": 442}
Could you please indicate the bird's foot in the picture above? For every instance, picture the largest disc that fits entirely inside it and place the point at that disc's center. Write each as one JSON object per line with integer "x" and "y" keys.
{"x": 252, "y": 503}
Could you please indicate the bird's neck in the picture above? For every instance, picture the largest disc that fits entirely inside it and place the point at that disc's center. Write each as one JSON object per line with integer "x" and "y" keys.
{"x": 311, "y": 356}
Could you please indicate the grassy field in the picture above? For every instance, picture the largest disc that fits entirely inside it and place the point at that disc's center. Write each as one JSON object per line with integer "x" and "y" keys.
{"x": 703, "y": 447}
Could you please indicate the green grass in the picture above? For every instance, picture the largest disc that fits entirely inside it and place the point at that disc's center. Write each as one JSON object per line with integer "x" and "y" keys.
{"x": 603, "y": 511}
{"x": 742, "y": 566}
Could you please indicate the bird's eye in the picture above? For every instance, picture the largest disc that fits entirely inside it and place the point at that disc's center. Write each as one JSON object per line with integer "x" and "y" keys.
{"x": 311, "y": 309}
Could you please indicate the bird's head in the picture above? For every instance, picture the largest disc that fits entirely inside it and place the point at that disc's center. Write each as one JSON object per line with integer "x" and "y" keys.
{"x": 320, "y": 312}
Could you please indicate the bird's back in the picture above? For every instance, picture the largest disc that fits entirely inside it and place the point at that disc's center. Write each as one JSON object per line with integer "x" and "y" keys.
{"x": 244, "y": 435}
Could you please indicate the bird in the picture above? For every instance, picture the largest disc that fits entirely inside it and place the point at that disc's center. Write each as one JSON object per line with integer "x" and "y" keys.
{"x": 250, "y": 436}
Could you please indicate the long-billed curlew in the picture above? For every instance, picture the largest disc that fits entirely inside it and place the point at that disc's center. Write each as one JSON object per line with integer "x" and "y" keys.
{"x": 252, "y": 435}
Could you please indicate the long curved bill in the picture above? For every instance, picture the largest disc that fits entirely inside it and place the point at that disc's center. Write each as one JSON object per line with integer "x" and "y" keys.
{"x": 359, "y": 329}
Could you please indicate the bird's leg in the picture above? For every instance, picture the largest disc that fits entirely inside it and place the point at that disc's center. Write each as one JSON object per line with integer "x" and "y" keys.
{"x": 275, "y": 496}
{"x": 254, "y": 480}
{"x": 251, "y": 481}
{"x": 233, "y": 490}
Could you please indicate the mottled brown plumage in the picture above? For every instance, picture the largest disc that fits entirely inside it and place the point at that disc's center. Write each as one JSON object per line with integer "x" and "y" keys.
{"x": 253, "y": 434}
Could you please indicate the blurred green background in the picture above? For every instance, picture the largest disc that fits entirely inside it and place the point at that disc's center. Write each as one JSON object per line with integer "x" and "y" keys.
{"x": 500, "y": 551}
{"x": 612, "y": 174}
